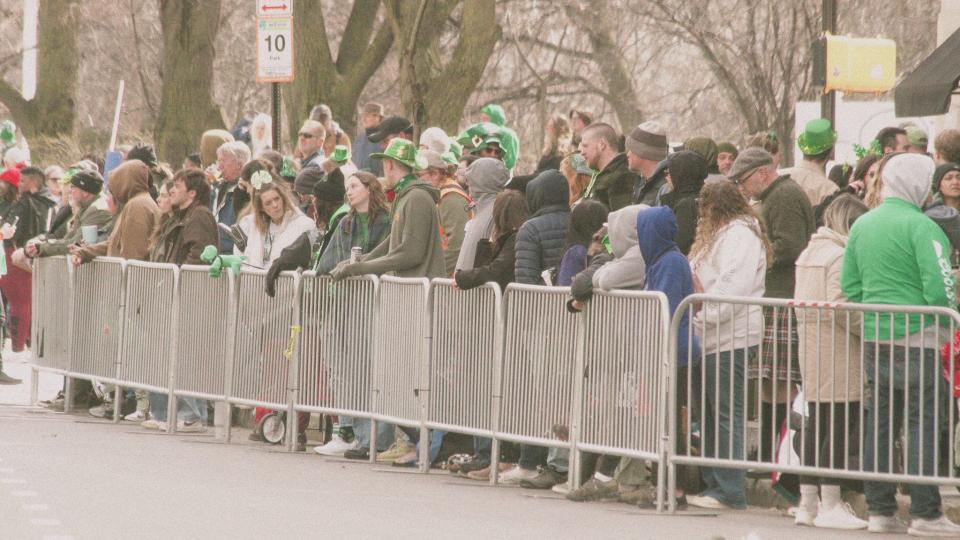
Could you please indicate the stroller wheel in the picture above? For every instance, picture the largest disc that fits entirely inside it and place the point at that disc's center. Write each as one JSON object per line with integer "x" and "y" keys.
{"x": 273, "y": 427}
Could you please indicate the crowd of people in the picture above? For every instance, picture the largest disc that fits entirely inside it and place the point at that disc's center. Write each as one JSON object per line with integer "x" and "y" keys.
{"x": 601, "y": 211}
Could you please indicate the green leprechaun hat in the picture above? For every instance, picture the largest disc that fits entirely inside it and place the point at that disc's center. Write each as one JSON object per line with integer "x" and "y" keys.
{"x": 340, "y": 153}
{"x": 402, "y": 151}
{"x": 818, "y": 136}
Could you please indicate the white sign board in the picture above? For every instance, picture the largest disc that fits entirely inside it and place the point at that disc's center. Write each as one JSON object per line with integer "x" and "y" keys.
{"x": 274, "y": 49}
{"x": 274, "y": 8}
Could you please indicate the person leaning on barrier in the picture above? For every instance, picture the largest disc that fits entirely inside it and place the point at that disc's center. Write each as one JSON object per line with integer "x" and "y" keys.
{"x": 895, "y": 255}
{"x": 485, "y": 180}
{"x": 540, "y": 240}
{"x": 136, "y": 216}
{"x": 85, "y": 188}
{"x": 829, "y": 358}
{"x": 193, "y": 225}
{"x": 728, "y": 257}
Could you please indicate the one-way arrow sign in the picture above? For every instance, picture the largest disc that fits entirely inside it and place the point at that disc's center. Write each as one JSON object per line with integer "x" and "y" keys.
{"x": 274, "y": 8}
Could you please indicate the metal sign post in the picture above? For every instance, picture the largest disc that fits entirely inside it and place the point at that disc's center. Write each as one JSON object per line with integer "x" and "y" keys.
{"x": 275, "y": 53}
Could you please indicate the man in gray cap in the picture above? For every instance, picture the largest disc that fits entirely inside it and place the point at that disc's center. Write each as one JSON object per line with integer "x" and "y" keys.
{"x": 646, "y": 147}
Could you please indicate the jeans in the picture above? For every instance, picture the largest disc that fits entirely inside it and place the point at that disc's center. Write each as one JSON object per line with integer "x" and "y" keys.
{"x": 532, "y": 457}
{"x": 361, "y": 430}
{"x": 910, "y": 373}
{"x": 558, "y": 459}
{"x": 436, "y": 440}
{"x": 723, "y": 427}
{"x": 188, "y": 409}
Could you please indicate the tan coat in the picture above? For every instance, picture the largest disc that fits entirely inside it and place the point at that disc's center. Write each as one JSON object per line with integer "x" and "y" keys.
{"x": 823, "y": 342}
{"x": 815, "y": 185}
{"x": 138, "y": 216}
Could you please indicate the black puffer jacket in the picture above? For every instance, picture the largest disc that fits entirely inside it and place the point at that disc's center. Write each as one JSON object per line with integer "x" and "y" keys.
{"x": 688, "y": 170}
{"x": 540, "y": 239}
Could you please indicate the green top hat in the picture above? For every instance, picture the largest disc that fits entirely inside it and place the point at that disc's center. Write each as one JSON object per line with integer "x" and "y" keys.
{"x": 477, "y": 134}
{"x": 402, "y": 151}
{"x": 818, "y": 136}
{"x": 340, "y": 153}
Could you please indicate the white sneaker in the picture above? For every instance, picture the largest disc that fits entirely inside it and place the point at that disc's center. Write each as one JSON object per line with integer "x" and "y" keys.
{"x": 804, "y": 516}
{"x": 103, "y": 410}
{"x": 136, "y": 416}
{"x": 933, "y": 527}
{"x": 151, "y": 424}
{"x": 336, "y": 447}
{"x": 706, "y": 501}
{"x": 886, "y": 524}
{"x": 562, "y": 488}
{"x": 840, "y": 516}
{"x": 191, "y": 427}
{"x": 516, "y": 474}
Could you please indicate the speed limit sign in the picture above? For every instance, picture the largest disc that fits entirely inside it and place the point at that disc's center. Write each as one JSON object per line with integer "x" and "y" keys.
{"x": 274, "y": 49}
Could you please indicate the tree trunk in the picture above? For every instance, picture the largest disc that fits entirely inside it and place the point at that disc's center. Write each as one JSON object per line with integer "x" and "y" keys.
{"x": 321, "y": 79}
{"x": 435, "y": 95}
{"x": 186, "y": 98}
{"x": 52, "y": 111}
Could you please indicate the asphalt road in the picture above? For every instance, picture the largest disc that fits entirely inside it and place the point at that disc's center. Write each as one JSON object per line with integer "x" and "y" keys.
{"x": 76, "y": 477}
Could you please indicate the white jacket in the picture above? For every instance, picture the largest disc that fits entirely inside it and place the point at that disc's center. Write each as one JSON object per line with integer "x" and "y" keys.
{"x": 736, "y": 265}
{"x": 294, "y": 224}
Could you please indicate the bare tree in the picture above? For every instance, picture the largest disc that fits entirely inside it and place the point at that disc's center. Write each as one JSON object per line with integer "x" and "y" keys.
{"x": 186, "y": 102}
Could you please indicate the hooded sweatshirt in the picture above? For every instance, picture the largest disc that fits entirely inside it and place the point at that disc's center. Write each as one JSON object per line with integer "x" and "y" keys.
{"x": 896, "y": 255}
{"x": 667, "y": 269}
{"x": 508, "y": 137}
{"x": 137, "y": 215}
{"x": 627, "y": 270}
{"x": 540, "y": 240}
{"x": 688, "y": 170}
{"x": 485, "y": 180}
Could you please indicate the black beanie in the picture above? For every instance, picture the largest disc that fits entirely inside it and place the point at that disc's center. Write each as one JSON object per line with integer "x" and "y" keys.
{"x": 89, "y": 181}
{"x": 942, "y": 171}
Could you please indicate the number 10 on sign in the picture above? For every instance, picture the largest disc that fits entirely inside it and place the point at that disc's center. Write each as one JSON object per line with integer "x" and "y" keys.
{"x": 275, "y": 50}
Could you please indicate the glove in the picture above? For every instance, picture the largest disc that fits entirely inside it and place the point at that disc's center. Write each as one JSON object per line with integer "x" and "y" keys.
{"x": 270, "y": 283}
{"x": 341, "y": 271}
{"x": 294, "y": 257}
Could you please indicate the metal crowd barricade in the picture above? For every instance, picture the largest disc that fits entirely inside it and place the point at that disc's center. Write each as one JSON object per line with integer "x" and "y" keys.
{"x": 97, "y": 309}
{"x": 265, "y": 343}
{"x": 149, "y": 326}
{"x": 50, "y": 300}
{"x": 400, "y": 383}
{"x": 539, "y": 376}
{"x": 206, "y": 319}
{"x": 624, "y": 359}
{"x": 466, "y": 348}
{"x": 837, "y": 426}
{"x": 336, "y": 344}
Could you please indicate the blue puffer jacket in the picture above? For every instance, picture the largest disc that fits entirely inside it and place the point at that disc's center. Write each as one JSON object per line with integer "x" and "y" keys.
{"x": 540, "y": 239}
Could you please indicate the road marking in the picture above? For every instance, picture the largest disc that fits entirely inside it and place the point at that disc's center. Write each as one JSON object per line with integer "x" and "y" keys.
{"x": 45, "y": 521}
{"x": 24, "y": 493}
{"x": 13, "y": 481}
{"x": 35, "y": 507}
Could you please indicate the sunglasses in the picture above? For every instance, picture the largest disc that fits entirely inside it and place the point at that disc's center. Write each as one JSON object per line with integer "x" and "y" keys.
{"x": 306, "y": 135}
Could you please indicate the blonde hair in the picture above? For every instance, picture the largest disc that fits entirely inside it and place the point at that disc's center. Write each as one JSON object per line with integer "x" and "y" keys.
{"x": 842, "y": 212}
{"x": 722, "y": 203}
{"x": 260, "y": 217}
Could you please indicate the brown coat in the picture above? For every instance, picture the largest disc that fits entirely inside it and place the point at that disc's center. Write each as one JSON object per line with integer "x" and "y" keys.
{"x": 188, "y": 232}
{"x": 829, "y": 345}
{"x": 138, "y": 216}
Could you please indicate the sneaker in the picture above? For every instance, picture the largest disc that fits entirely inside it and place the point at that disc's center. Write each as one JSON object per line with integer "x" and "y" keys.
{"x": 562, "y": 488}
{"x": 336, "y": 447}
{"x": 594, "y": 490}
{"x": 545, "y": 479}
{"x": 362, "y": 453}
{"x": 483, "y": 474}
{"x": 395, "y": 452}
{"x": 516, "y": 475}
{"x": 456, "y": 461}
{"x": 639, "y": 495}
{"x": 104, "y": 410}
{"x": 840, "y": 516}
{"x": 6, "y": 379}
{"x": 407, "y": 460}
{"x": 150, "y": 424}
{"x": 137, "y": 416}
{"x": 805, "y": 517}
{"x": 47, "y": 402}
{"x": 940, "y": 526}
{"x": 886, "y": 524}
{"x": 706, "y": 501}
{"x": 191, "y": 427}
{"x": 476, "y": 464}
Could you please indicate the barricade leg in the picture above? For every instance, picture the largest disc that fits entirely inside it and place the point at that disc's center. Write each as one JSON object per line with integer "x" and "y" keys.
{"x": 68, "y": 389}
{"x": 117, "y": 403}
{"x": 494, "y": 461}
{"x": 34, "y": 385}
{"x": 172, "y": 412}
{"x": 373, "y": 441}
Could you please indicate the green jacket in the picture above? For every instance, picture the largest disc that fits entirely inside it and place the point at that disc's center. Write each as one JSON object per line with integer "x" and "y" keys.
{"x": 788, "y": 217}
{"x": 413, "y": 248}
{"x": 89, "y": 215}
{"x": 896, "y": 255}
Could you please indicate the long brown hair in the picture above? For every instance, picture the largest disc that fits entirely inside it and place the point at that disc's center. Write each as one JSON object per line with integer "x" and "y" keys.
{"x": 378, "y": 199}
{"x": 509, "y": 212}
{"x": 260, "y": 217}
{"x": 580, "y": 181}
{"x": 720, "y": 204}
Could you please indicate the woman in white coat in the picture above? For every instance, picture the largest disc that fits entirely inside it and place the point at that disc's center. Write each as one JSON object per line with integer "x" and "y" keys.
{"x": 274, "y": 221}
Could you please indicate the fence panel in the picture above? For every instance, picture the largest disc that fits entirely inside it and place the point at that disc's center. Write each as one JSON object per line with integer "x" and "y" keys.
{"x": 263, "y": 347}
{"x": 466, "y": 346}
{"x": 539, "y": 364}
{"x": 148, "y": 324}
{"x": 336, "y": 346}
{"x": 402, "y": 329}
{"x": 99, "y": 289}
{"x": 858, "y": 381}
{"x": 625, "y": 348}
{"x": 50, "y": 329}
{"x": 205, "y": 332}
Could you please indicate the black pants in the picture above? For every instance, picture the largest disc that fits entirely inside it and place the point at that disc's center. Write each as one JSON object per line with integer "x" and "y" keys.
{"x": 830, "y": 427}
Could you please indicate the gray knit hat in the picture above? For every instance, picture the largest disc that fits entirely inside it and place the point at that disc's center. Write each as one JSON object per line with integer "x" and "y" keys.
{"x": 649, "y": 141}
{"x": 748, "y": 161}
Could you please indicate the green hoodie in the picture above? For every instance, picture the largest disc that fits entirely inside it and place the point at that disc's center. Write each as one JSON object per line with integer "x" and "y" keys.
{"x": 511, "y": 143}
{"x": 896, "y": 255}
{"x": 413, "y": 248}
